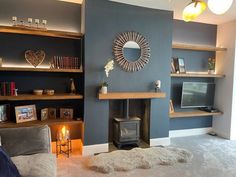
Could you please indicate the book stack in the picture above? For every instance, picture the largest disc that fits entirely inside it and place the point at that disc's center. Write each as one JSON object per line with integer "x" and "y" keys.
{"x": 7, "y": 88}
{"x": 60, "y": 62}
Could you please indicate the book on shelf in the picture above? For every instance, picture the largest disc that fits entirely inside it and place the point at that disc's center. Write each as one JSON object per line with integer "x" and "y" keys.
{"x": 174, "y": 65}
{"x": 7, "y": 88}
{"x": 61, "y": 62}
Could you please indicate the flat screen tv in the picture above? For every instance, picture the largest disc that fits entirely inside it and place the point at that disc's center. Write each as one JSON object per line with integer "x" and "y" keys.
{"x": 197, "y": 94}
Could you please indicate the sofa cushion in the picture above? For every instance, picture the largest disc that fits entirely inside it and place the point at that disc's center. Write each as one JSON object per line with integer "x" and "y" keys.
{"x": 7, "y": 167}
{"x": 26, "y": 140}
{"x": 37, "y": 165}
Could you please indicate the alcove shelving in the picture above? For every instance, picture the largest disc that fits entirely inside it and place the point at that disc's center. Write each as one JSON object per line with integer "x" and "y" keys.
{"x": 44, "y": 76}
{"x": 196, "y": 47}
{"x": 196, "y": 113}
{"x": 62, "y": 96}
{"x": 48, "y": 33}
{"x": 191, "y": 76}
{"x": 196, "y": 74}
{"x": 22, "y": 69}
{"x": 11, "y": 124}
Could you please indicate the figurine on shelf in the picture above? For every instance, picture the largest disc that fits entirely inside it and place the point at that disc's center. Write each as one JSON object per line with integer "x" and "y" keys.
{"x": 72, "y": 86}
{"x": 15, "y": 92}
{"x": 158, "y": 86}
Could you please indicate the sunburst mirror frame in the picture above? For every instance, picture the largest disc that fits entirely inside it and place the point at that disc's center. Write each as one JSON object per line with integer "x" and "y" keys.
{"x": 121, "y": 40}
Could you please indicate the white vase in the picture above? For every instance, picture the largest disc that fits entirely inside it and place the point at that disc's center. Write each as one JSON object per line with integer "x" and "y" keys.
{"x": 104, "y": 89}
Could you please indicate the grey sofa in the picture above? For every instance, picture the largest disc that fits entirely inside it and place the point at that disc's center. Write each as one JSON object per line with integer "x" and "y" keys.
{"x": 30, "y": 150}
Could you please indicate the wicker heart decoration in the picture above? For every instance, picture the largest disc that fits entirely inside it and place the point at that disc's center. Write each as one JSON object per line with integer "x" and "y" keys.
{"x": 35, "y": 58}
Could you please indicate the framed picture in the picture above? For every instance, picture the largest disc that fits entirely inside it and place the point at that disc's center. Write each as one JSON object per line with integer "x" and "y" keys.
{"x": 171, "y": 109}
{"x": 181, "y": 65}
{"x": 52, "y": 113}
{"x": 4, "y": 112}
{"x": 25, "y": 113}
{"x": 66, "y": 113}
{"x": 44, "y": 114}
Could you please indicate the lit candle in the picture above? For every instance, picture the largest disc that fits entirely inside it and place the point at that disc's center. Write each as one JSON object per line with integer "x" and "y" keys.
{"x": 63, "y": 130}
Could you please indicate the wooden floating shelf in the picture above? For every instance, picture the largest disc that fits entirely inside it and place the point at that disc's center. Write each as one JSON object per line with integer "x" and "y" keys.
{"x": 41, "y": 97}
{"x": 197, "y": 75}
{"x": 196, "y": 47}
{"x": 41, "y": 70}
{"x": 196, "y": 113}
{"x": 48, "y": 33}
{"x": 131, "y": 95}
{"x": 10, "y": 124}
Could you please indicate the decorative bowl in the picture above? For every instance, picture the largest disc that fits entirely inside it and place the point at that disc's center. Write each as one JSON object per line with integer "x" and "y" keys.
{"x": 38, "y": 92}
{"x": 50, "y": 92}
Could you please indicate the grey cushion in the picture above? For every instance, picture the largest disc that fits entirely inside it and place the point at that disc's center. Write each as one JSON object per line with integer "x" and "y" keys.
{"x": 38, "y": 165}
{"x": 26, "y": 140}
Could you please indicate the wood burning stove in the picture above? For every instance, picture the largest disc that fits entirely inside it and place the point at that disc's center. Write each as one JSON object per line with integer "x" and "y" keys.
{"x": 126, "y": 130}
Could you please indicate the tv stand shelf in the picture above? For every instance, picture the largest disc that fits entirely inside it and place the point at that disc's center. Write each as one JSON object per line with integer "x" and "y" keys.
{"x": 197, "y": 75}
{"x": 196, "y": 113}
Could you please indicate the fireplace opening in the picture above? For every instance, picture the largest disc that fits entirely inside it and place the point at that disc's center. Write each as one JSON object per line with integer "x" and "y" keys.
{"x": 129, "y": 123}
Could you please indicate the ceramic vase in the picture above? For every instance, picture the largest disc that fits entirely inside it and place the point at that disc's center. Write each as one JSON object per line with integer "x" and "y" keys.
{"x": 103, "y": 89}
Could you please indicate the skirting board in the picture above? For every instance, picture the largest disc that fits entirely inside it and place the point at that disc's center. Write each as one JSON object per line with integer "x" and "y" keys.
{"x": 160, "y": 141}
{"x": 189, "y": 132}
{"x": 94, "y": 149}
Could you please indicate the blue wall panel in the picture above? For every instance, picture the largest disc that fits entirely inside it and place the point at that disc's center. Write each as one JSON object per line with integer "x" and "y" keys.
{"x": 104, "y": 21}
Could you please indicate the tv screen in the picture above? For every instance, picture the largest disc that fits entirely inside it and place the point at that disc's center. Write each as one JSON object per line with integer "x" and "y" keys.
{"x": 197, "y": 94}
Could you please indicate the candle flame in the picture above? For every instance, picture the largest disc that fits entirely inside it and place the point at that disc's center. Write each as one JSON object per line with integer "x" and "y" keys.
{"x": 63, "y": 130}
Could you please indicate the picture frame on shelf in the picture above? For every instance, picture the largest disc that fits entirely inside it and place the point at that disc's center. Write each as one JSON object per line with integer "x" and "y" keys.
{"x": 171, "y": 107}
{"x": 44, "y": 114}
{"x": 173, "y": 69}
{"x": 4, "y": 112}
{"x": 66, "y": 113}
{"x": 52, "y": 113}
{"x": 181, "y": 65}
{"x": 25, "y": 113}
{"x": 175, "y": 64}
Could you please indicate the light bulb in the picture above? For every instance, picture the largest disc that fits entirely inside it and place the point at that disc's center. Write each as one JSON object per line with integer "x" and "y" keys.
{"x": 219, "y": 6}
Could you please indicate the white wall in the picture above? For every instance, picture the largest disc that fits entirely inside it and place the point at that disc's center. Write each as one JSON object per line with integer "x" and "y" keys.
{"x": 225, "y": 100}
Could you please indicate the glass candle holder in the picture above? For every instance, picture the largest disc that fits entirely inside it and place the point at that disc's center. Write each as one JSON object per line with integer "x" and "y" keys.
{"x": 44, "y": 22}
{"x": 36, "y": 22}
{"x": 30, "y": 21}
{"x": 14, "y": 20}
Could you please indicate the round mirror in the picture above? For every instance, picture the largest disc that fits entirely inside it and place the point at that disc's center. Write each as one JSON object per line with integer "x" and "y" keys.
{"x": 131, "y": 51}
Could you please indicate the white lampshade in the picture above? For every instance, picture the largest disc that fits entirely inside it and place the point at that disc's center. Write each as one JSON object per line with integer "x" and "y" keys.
{"x": 219, "y": 6}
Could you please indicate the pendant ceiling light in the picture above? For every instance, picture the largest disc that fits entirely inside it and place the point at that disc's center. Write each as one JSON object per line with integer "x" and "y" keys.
{"x": 219, "y": 6}
{"x": 193, "y": 9}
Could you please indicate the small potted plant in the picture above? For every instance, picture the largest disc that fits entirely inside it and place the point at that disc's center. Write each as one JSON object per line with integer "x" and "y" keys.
{"x": 108, "y": 67}
{"x": 211, "y": 65}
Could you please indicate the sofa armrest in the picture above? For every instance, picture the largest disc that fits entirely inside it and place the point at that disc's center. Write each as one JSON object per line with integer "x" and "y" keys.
{"x": 26, "y": 140}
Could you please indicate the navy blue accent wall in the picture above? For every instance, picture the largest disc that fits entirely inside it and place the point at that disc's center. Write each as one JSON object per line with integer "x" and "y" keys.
{"x": 104, "y": 21}
{"x": 195, "y": 61}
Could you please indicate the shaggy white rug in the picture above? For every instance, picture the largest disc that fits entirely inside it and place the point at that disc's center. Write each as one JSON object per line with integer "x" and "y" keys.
{"x": 123, "y": 160}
